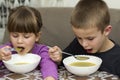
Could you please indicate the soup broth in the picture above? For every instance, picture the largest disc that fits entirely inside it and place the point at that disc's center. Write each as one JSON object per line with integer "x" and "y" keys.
{"x": 82, "y": 64}
{"x": 21, "y": 63}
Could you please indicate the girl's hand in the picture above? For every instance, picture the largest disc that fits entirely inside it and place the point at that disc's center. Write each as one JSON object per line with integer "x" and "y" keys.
{"x": 55, "y": 54}
{"x": 49, "y": 78}
{"x": 5, "y": 54}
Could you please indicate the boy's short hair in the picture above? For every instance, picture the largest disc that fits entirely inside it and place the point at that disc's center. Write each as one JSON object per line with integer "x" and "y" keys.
{"x": 90, "y": 13}
{"x": 24, "y": 19}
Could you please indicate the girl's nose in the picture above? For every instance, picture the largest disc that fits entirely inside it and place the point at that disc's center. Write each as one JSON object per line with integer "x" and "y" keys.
{"x": 20, "y": 40}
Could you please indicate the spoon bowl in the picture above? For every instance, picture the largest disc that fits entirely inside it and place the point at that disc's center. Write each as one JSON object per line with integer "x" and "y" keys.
{"x": 77, "y": 56}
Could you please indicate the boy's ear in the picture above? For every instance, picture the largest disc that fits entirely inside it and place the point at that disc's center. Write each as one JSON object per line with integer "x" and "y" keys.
{"x": 38, "y": 36}
{"x": 107, "y": 30}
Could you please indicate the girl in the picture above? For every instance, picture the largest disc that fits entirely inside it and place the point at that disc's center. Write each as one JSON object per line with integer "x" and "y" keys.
{"x": 24, "y": 27}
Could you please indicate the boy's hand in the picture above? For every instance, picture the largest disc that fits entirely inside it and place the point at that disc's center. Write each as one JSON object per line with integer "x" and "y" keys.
{"x": 5, "y": 54}
{"x": 55, "y": 54}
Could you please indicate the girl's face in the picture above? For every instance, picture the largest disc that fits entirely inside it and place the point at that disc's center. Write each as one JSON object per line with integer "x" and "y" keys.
{"x": 25, "y": 41}
{"x": 92, "y": 39}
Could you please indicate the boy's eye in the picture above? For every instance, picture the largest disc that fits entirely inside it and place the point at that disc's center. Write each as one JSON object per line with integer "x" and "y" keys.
{"x": 78, "y": 37}
{"x": 90, "y": 38}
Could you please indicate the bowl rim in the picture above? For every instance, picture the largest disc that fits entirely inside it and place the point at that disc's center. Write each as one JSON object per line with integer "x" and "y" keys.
{"x": 7, "y": 62}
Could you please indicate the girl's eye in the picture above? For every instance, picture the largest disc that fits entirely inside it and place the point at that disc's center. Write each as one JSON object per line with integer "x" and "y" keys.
{"x": 15, "y": 35}
{"x": 26, "y": 36}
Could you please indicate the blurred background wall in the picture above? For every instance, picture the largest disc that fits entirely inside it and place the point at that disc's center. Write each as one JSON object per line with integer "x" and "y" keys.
{"x": 6, "y": 5}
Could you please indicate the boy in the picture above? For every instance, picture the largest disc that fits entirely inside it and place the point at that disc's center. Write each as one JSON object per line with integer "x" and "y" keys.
{"x": 91, "y": 25}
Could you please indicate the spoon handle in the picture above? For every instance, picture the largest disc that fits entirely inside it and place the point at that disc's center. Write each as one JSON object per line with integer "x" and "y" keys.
{"x": 67, "y": 53}
{"x": 62, "y": 52}
{"x": 11, "y": 49}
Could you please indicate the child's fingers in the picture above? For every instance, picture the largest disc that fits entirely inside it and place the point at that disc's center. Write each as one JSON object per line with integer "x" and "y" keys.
{"x": 6, "y": 57}
{"x": 55, "y": 53}
{"x": 54, "y": 49}
{"x": 56, "y": 57}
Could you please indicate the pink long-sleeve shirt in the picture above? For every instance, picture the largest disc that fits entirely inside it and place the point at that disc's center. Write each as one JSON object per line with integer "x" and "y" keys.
{"x": 46, "y": 65}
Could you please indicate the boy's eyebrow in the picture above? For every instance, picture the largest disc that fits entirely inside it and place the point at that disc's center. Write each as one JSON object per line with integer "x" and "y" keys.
{"x": 77, "y": 36}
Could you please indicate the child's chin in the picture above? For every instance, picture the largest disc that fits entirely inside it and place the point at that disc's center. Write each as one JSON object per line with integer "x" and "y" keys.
{"x": 22, "y": 53}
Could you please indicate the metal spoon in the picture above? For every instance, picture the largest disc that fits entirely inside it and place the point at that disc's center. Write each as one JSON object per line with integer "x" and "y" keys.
{"x": 14, "y": 49}
{"x": 10, "y": 49}
{"x": 69, "y": 54}
{"x": 76, "y": 57}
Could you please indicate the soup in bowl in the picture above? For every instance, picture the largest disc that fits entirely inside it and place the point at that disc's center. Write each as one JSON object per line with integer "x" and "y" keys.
{"x": 22, "y": 63}
{"x": 82, "y": 67}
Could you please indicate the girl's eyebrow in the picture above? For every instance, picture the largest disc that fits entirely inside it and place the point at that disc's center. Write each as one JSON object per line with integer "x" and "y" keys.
{"x": 27, "y": 33}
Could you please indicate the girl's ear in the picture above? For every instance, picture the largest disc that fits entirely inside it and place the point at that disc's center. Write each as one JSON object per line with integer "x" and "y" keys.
{"x": 107, "y": 30}
{"x": 38, "y": 36}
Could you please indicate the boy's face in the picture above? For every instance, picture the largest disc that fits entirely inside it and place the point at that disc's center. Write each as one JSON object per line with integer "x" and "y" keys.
{"x": 25, "y": 41}
{"x": 92, "y": 39}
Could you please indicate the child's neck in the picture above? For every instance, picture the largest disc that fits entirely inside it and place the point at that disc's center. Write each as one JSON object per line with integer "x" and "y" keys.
{"x": 107, "y": 45}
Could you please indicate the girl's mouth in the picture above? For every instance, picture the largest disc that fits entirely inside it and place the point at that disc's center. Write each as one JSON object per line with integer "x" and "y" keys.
{"x": 20, "y": 49}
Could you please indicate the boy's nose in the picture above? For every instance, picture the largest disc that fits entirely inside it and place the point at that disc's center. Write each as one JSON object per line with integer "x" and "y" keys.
{"x": 84, "y": 43}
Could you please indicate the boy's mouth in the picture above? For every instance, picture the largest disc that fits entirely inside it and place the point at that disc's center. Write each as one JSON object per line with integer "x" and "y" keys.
{"x": 89, "y": 50}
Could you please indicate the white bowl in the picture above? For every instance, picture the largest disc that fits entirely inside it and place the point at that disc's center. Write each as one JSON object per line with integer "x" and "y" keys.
{"x": 22, "y": 63}
{"x": 82, "y": 70}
